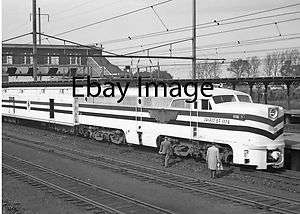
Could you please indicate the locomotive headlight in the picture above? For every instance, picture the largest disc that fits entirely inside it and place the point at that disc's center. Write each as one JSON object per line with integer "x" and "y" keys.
{"x": 274, "y": 156}
{"x": 273, "y": 113}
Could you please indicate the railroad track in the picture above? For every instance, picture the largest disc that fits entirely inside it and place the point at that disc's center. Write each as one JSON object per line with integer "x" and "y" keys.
{"x": 284, "y": 177}
{"x": 236, "y": 194}
{"x": 88, "y": 196}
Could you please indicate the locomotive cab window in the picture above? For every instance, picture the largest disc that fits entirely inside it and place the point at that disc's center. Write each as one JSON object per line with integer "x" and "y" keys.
{"x": 181, "y": 103}
{"x": 244, "y": 98}
{"x": 224, "y": 98}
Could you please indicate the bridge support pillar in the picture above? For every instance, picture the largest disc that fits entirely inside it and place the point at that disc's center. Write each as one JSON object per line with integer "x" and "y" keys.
{"x": 233, "y": 85}
{"x": 288, "y": 94}
{"x": 266, "y": 93}
{"x": 251, "y": 89}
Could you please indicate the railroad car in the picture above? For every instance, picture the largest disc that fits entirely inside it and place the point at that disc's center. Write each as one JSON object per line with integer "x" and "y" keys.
{"x": 247, "y": 133}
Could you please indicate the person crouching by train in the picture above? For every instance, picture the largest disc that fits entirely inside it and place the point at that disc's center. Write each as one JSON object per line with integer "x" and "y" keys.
{"x": 213, "y": 159}
{"x": 166, "y": 151}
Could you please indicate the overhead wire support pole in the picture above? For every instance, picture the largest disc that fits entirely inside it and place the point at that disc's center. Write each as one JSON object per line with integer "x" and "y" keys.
{"x": 194, "y": 41}
{"x": 40, "y": 30}
{"x": 34, "y": 40}
{"x": 40, "y": 24}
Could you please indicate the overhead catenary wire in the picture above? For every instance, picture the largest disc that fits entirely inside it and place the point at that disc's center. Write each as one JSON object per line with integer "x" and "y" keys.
{"x": 159, "y": 46}
{"x": 75, "y": 43}
{"x": 118, "y": 56}
{"x": 226, "y": 31}
{"x": 16, "y": 37}
{"x": 160, "y": 19}
{"x": 214, "y": 33}
{"x": 112, "y": 18}
{"x": 248, "y": 27}
{"x": 187, "y": 28}
{"x": 239, "y": 43}
{"x": 253, "y": 51}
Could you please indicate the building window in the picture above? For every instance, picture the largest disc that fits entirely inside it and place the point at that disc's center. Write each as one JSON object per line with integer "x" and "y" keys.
{"x": 53, "y": 60}
{"x": 28, "y": 60}
{"x": 75, "y": 60}
{"x": 7, "y": 59}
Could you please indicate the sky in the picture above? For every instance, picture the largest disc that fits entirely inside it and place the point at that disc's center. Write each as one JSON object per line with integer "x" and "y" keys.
{"x": 69, "y": 14}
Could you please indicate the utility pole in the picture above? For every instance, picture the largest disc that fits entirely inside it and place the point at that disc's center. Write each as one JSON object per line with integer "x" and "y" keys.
{"x": 34, "y": 40}
{"x": 194, "y": 40}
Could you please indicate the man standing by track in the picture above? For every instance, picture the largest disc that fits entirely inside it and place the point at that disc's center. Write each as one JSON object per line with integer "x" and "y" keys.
{"x": 212, "y": 159}
{"x": 165, "y": 150}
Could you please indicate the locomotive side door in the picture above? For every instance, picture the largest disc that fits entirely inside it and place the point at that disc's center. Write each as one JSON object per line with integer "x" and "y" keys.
{"x": 195, "y": 120}
{"x": 139, "y": 120}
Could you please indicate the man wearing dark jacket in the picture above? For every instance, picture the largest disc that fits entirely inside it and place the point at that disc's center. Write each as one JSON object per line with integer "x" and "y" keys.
{"x": 166, "y": 150}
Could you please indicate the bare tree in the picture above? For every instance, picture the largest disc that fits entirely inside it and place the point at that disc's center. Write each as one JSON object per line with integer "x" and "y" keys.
{"x": 208, "y": 70}
{"x": 281, "y": 63}
{"x": 254, "y": 63}
{"x": 289, "y": 61}
{"x": 268, "y": 65}
{"x": 276, "y": 63}
{"x": 239, "y": 67}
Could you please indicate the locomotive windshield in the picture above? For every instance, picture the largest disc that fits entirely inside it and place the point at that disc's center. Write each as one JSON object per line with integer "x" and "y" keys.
{"x": 224, "y": 98}
{"x": 244, "y": 98}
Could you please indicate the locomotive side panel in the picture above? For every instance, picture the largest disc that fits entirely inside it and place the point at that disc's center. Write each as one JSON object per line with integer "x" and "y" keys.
{"x": 38, "y": 104}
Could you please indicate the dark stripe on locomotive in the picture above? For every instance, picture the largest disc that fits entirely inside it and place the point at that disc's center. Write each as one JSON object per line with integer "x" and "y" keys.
{"x": 12, "y": 106}
{"x": 192, "y": 113}
{"x": 193, "y": 124}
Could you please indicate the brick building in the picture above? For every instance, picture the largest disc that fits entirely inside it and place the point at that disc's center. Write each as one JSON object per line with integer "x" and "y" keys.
{"x": 54, "y": 62}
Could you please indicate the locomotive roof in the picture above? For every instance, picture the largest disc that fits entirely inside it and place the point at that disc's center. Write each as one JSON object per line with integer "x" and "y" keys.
{"x": 132, "y": 91}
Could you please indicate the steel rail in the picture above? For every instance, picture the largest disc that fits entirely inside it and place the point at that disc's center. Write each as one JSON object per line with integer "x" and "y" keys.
{"x": 55, "y": 187}
{"x": 80, "y": 152}
{"x": 126, "y": 202}
{"x": 242, "y": 195}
